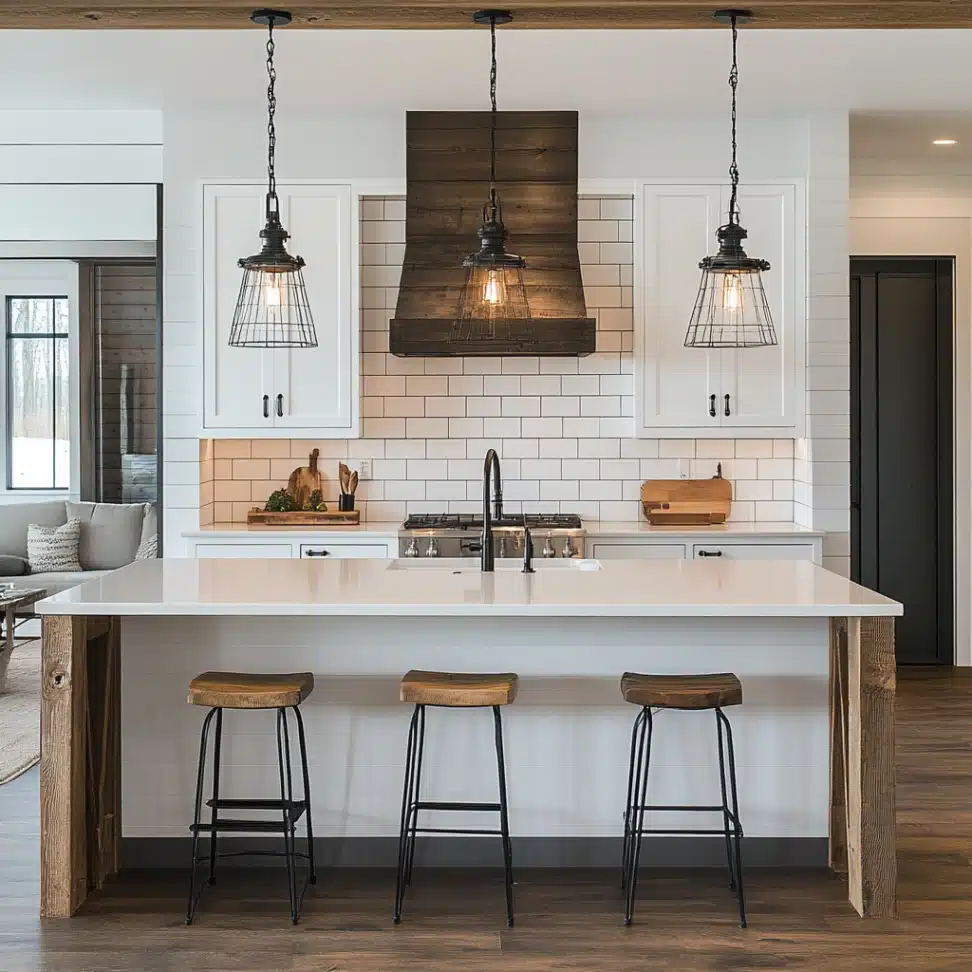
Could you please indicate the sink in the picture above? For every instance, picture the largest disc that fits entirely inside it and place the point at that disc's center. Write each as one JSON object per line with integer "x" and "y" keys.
{"x": 470, "y": 565}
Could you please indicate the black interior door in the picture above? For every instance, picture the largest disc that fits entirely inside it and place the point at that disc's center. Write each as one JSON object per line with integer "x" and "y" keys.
{"x": 901, "y": 445}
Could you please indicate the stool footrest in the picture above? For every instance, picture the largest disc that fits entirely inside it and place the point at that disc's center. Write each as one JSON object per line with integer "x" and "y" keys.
{"x": 690, "y": 833}
{"x": 454, "y": 830}
{"x": 452, "y": 805}
{"x": 242, "y": 803}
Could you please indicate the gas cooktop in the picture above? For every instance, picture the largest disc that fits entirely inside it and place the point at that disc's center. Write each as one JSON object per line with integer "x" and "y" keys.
{"x": 474, "y": 521}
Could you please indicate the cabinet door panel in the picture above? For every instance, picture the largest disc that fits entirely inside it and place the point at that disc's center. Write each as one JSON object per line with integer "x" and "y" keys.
{"x": 754, "y": 551}
{"x": 319, "y": 385}
{"x": 234, "y": 379}
{"x": 608, "y": 550}
{"x": 760, "y": 381}
{"x": 674, "y": 383}
{"x": 275, "y": 550}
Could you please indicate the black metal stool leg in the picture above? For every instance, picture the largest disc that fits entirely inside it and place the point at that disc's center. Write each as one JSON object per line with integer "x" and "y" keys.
{"x": 641, "y": 787}
{"x": 504, "y": 815}
{"x": 738, "y": 827}
{"x": 406, "y": 810}
{"x": 626, "y": 846}
{"x": 286, "y": 795}
{"x": 725, "y": 804}
{"x": 197, "y": 813}
{"x": 215, "y": 815}
{"x": 416, "y": 797}
{"x": 312, "y": 873}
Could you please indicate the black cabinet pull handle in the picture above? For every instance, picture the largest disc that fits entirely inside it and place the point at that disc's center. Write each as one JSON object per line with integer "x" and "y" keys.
{"x": 266, "y": 406}
{"x": 710, "y": 553}
{"x": 280, "y": 406}
{"x": 727, "y": 406}
{"x": 317, "y": 553}
{"x": 712, "y": 405}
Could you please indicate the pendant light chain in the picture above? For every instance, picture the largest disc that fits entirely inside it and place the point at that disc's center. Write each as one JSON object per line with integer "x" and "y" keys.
{"x": 734, "y": 168}
{"x": 492, "y": 117}
{"x": 271, "y": 128}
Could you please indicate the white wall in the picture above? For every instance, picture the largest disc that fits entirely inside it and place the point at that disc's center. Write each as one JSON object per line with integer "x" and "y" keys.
{"x": 615, "y": 154}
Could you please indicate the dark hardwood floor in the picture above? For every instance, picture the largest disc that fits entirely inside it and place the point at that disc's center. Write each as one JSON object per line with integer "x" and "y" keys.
{"x": 799, "y": 920}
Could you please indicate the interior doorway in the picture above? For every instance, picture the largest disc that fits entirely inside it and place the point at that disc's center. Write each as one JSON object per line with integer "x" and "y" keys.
{"x": 902, "y": 505}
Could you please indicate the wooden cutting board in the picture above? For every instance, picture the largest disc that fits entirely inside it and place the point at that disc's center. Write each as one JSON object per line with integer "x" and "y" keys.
{"x": 686, "y": 501}
{"x": 305, "y": 517}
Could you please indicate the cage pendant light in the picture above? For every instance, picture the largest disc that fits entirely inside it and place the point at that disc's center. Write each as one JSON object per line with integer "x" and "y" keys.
{"x": 493, "y": 293}
{"x": 731, "y": 309}
{"x": 272, "y": 310}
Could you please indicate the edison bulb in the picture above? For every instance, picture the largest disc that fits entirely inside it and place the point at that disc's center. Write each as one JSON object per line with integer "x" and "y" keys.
{"x": 271, "y": 290}
{"x": 494, "y": 291}
{"x": 732, "y": 292}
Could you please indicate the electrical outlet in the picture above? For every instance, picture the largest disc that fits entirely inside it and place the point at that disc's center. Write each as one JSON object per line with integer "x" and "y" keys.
{"x": 364, "y": 470}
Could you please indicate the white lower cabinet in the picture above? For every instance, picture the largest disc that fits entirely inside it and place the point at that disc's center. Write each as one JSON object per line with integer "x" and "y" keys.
{"x": 206, "y": 550}
{"x": 634, "y": 550}
{"x": 337, "y": 548}
{"x": 346, "y": 551}
{"x": 754, "y": 551}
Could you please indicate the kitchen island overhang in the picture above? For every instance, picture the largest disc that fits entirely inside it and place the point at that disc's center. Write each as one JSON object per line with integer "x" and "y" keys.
{"x": 815, "y": 654}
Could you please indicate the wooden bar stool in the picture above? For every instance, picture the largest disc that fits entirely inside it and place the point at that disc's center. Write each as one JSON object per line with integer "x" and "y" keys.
{"x": 678, "y": 692}
{"x": 454, "y": 691}
{"x": 234, "y": 690}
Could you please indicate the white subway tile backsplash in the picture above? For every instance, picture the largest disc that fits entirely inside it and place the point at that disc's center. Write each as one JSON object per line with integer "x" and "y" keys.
{"x": 501, "y": 428}
{"x": 441, "y": 366}
{"x": 659, "y": 469}
{"x": 580, "y": 384}
{"x": 543, "y": 428}
{"x": 620, "y": 468}
{"x": 427, "y": 428}
{"x": 560, "y": 489}
{"x": 403, "y": 407}
{"x": 540, "y": 385}
{"x": 464, "y": 385}
{"x": 600, "y": 405}
{"x": 600, "y": 489}
{"x": 520, "y": 366}
{"x": 520, "y": 449}
{"x": 403, "y": 448}
{"x": 501, "y": 385}
{"x": 466, "y": 428}
{"x": 483, "y": 406}
{"x": 445, "y": 490}
{"x": 521, "y": 405}
{"x": 445, "y": 406}
{"x": 418, "y": 385}
{"x": 561, "y": 405}
{"x": 558, "y": 448}
{"x": 445, "y": 449}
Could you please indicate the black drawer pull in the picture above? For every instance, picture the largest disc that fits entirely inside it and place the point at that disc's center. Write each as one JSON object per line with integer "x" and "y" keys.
{"x": 280, "y": 406}
{"x": 727, "y": 406}
{"x": 266, "y": 406}
{"x": 317, "y": 553}
{"x": 710, "y": 553}
{"x": 712, "y": 409}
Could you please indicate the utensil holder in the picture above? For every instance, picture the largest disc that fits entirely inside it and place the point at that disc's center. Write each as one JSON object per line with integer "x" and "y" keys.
{"x": 346, "y": 502}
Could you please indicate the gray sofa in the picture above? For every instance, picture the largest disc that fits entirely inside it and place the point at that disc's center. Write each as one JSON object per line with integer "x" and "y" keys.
{"x": 110, "y": 536}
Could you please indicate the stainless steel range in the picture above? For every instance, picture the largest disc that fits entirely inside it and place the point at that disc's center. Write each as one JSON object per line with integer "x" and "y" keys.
{"x": 461, "y": 534}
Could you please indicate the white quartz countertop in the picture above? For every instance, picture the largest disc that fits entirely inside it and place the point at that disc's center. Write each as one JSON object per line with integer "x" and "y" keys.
{"x": 594, "y": 528}
{"x": 741, "y": 529}
{"x": 294, "y": 588}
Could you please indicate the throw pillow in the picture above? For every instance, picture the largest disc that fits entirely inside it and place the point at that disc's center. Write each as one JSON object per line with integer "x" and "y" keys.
{"x": 148, "y": 549}
{"x": 110, "y": 533}
{"x": 11, "y": 566}
{"x": 54, "y": 548}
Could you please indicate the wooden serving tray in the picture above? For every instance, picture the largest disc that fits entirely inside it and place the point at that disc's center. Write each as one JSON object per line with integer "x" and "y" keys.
{"x": 686, "y": 518}
{"x": 324, "y": 518}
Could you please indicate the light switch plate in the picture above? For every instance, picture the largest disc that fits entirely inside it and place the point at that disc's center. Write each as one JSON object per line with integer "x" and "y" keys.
{"x": 364, "y": 469}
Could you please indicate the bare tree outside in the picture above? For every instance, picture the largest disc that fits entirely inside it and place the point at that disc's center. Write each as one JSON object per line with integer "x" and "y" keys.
{"x": 38, "y": 426}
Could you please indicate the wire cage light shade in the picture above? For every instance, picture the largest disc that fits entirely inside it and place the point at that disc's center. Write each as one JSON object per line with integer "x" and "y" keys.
{"x": 731, "y": 309}
{"x": 272, "y": 309}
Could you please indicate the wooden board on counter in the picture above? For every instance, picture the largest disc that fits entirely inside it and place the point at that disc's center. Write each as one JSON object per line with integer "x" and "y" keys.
{"x": 686, "y": 502}
{"x": 321, "y": 518}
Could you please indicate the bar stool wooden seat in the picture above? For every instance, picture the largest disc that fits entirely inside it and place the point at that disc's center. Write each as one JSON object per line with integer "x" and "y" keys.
{"x": 691, "y": 692}
{"x": 451, "y": 690}
{"x": 248, "y": 691}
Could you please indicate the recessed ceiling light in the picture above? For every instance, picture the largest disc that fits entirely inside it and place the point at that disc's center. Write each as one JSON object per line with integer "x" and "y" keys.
{"x": 944, "y": 141}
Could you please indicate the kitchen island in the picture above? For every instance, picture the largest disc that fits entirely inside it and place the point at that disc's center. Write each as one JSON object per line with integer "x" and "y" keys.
{"x": 814, "y": 736}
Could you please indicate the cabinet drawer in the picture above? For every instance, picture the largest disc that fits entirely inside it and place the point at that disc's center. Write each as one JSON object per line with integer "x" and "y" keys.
{"x": 608, "y": 550}
{"x": 378, "y": 550}
{"x": 203, "y": 550}
{"x": 754, "y": 551}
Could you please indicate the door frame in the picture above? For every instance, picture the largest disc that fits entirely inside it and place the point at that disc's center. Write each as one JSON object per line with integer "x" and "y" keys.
{"x": 945, "y": 273}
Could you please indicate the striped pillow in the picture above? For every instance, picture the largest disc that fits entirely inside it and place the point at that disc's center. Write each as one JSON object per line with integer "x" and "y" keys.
{"x": 54, "y": 548}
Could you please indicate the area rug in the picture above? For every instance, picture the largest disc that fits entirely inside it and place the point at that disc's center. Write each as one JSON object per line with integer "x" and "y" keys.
{"x": 20, "y": 712}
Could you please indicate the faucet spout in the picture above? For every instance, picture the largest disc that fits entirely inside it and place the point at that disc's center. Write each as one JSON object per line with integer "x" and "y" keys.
{"x": 491, "y": 470}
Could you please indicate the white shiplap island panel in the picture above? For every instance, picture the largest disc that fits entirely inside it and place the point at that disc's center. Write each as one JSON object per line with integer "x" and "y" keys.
{"x": 814, "y": 736}
{"x": 403, "y": 588}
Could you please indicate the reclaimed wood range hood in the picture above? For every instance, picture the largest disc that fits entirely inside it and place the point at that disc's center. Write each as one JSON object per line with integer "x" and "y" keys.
{"x": 447, "y": 168}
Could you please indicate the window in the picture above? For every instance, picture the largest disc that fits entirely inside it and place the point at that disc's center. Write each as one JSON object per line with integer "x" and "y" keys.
{"x": 38, "y": 397}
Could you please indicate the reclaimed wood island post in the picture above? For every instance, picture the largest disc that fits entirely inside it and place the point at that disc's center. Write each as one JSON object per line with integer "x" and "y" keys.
{"x": 81, "y": 761}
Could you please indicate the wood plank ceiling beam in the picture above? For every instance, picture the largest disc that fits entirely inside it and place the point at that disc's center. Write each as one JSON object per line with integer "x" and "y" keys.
{"x": 451, "y": 14}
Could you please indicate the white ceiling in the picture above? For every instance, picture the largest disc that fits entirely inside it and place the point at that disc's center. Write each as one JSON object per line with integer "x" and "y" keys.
{"x": 603, "y": 71}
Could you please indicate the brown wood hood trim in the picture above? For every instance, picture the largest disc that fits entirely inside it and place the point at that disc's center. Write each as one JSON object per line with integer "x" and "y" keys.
{"x": 447, "y": 164}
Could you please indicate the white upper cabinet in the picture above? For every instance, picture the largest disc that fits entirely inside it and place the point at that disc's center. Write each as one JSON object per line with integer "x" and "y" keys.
{"x": 683, "y": 391}
{"x": 277, "y": 392}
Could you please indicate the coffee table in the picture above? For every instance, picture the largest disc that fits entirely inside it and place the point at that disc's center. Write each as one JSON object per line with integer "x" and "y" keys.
{"x": 13, "y": 600}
